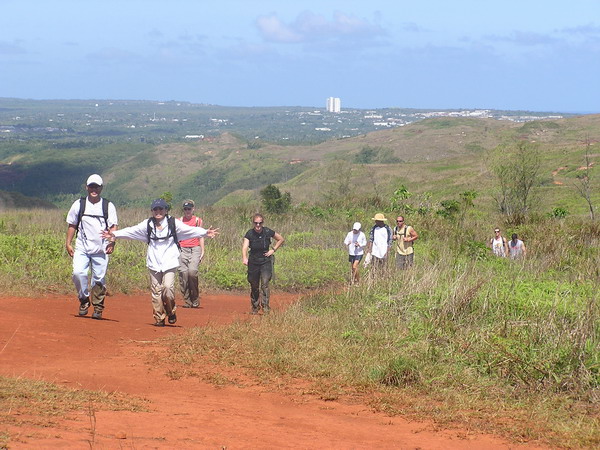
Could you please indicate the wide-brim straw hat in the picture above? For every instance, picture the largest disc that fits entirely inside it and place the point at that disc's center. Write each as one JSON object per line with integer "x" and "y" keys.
{"x": 379, "y": 216}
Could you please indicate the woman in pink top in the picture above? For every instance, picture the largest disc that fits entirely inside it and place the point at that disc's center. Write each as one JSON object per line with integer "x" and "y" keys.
{"x": 192, "y": 252}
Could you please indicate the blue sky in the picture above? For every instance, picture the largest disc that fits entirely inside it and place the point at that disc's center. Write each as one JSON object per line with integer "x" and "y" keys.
{"x": 526, "y": 54}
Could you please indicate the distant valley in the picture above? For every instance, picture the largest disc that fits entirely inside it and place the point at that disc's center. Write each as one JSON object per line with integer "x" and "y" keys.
{"x": 220, "y": 155}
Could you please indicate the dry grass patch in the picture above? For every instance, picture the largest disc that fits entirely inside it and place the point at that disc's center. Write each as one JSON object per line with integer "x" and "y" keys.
{"x": 37, "y": 403}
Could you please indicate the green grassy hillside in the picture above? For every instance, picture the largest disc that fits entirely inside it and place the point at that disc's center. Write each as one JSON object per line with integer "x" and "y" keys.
{"x": 435, "y": 157}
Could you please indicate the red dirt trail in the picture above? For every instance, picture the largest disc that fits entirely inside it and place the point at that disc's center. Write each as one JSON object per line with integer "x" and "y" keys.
{"x": 43, "y": 338}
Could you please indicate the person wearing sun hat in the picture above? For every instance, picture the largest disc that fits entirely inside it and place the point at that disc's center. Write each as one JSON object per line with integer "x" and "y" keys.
{"x": 380, "y": 240}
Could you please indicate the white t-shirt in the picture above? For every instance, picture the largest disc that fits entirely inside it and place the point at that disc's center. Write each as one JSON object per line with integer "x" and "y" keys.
{"x": 515, "y": 248}
{"x": 89, "y": 240}
{"x": 352, "y": 239}
{"x": 163, "y": 254}
{"x": 380, "y": 242}
{"x": 498, "y": 247}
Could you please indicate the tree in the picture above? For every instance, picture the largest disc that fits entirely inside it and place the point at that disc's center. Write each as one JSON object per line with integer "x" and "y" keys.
{"x": 274, "y": 201}
{"x": 517, "y": 174}
{"x": 583, "y": 184}
{"x": 167, "y": 196}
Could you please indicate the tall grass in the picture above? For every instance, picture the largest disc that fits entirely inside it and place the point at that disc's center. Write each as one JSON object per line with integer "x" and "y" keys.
{"x": 513, "y": 345}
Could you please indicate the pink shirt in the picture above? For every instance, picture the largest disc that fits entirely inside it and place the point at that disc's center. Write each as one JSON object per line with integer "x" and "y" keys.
{"x": 193, "y": 222}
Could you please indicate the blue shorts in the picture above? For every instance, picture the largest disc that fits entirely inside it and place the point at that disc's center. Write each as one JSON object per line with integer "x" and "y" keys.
{"x": 353, "y": 258}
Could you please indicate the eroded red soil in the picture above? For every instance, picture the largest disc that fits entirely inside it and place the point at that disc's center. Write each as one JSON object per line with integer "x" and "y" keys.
{"x": 43, "y": 338}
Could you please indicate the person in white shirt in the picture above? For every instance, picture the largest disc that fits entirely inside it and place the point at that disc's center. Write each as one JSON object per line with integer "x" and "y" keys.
{"x": 516, "y": 247}
{"x": 380, "y": 241}
{"x": 356, "y": 242}
{"x": 162, "y": 233}
{"x": 498, "y": 244}
{"x": 87, "y": 217}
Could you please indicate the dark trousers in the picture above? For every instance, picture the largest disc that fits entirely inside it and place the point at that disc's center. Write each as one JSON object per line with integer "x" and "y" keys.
{"x": 259, "y": 276}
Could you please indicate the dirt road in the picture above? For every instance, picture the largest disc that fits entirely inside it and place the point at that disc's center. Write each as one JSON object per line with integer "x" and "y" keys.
{"x": 43, "y": 338}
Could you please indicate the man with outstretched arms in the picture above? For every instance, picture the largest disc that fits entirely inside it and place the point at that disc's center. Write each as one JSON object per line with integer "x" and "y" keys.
{"x": 87, "y": 217}
{"x": 161, "y": 233}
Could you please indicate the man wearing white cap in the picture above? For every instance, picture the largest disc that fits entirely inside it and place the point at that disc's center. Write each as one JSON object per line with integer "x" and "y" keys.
{"x": 87, "y": 217}
{"x": 356, "y": 242}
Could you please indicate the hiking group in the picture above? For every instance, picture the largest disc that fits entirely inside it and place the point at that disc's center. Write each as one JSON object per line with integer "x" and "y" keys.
{"x": 375, "y": 249}
{"x": 377, "y": 246}
{"x": 174, "y": 246}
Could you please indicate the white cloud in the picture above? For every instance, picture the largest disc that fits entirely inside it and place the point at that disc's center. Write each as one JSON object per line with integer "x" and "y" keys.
{"x": 272, "y": 29}
{"x": 308, "y": 27}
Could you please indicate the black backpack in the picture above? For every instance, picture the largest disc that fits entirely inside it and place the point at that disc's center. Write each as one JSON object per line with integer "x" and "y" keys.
{"x": 82, "y": 212}
{"x": 172, "y": 231}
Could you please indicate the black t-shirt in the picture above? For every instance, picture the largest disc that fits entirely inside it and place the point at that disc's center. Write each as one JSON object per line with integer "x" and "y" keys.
{"x": 259, "y": 243}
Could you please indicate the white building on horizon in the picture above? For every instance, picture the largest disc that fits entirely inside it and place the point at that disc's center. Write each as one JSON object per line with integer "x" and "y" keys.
{"x": 334, "y": 104}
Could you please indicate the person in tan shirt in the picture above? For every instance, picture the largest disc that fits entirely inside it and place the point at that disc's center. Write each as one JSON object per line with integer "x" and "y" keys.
{"x": 404, "y": 236}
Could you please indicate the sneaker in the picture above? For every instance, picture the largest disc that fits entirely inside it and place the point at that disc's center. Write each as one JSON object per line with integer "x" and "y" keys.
{"x": 97, "y": 315}
{"x": 83, "y": 307}
{"x": 196, "y": 305}
{"x": 266, "y": 310}
{"x": 159, "y": 323}
{"x": 172, "y": 319}
{"x": 254, "y": 312}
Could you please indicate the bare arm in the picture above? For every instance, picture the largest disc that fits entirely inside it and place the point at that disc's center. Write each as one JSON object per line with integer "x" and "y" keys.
{"x": 279, "y": 240}
{"x": 202, "y": 248}
{"x": 245, "y": 247}
{"x": 110, "y": 247}
{"x": 70, "y": 234}
{"x": 412, "y": 236}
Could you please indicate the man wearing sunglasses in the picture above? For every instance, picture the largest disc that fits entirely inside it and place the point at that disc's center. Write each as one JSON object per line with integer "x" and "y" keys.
{"x": 161, "y": 232}
{"x": 404, "y": 236}
{"x": 260, "y": 262}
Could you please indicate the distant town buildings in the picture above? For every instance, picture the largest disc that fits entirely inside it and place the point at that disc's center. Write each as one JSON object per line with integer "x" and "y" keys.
{"x": 334, "y": 104}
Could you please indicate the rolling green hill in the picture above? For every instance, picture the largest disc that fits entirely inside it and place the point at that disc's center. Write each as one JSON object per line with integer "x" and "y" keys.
{"x": 441, "y": 156}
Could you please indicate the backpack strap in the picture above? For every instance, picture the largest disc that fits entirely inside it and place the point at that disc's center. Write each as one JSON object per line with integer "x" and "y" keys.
{"x": 172, "y": 231}
{"x": 81, "y": 213}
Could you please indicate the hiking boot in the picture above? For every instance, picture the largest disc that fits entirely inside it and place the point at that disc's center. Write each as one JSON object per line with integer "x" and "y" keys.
{"x": 97, "y": 315}
{"x": 83, "y": 307}
{"x": 159, "y": 323}
{"x": 254, "y": 311}
{"x": 172, "y": 318}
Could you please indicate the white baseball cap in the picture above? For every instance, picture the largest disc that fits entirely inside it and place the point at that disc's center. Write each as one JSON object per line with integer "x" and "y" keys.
{"x": 356, "y": 226}
{"x": 94, "y": 179}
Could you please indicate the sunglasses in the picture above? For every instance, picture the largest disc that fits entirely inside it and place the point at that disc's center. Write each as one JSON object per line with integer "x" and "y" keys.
{"x": 258, "y": 223}
{"x": 399, "y": 220}
{"x": 187, "y": 209}
{"x": 94, "y": 186}
{"x": 158, "y": 208}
